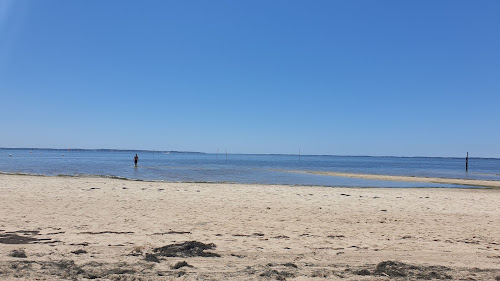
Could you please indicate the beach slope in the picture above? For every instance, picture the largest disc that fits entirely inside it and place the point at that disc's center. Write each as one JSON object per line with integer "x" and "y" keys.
{"x": 60, "y": 228}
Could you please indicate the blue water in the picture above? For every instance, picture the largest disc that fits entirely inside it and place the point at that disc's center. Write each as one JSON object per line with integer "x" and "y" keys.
{"x": 242, "y": 168}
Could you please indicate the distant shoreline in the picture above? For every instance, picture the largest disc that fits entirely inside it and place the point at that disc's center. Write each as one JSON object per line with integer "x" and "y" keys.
{"x": 469, "y": 182}
{"x": 238, "y": 153}
{"x": 101, "y": 149}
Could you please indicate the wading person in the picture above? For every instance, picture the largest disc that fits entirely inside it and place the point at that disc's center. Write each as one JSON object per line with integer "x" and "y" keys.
{"x": 136, "y": 159}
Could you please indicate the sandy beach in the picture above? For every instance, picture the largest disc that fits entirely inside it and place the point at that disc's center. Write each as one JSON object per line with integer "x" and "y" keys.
{"x": 76, "y": 228}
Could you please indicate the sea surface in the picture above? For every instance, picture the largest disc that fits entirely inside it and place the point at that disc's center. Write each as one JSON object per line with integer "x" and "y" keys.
{"x": 241, "y": 168}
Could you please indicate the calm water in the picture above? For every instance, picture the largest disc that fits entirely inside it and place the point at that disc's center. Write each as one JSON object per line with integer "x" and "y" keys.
{"x": 242, "y": 168}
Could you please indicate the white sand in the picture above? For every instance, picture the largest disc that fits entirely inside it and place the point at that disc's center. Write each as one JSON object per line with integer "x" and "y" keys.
{"x": 256, "y": 228}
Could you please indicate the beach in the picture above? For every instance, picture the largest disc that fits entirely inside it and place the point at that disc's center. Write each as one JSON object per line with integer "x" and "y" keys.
{"x": 79, "y": 228}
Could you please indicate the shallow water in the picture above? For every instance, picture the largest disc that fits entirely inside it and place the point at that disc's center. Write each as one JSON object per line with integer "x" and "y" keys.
{"x": 242, "y": 168}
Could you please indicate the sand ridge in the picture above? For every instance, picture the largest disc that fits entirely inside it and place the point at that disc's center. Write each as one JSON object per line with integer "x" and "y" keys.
{"x": 88, "y": 228}
{"x": 471, "y": 182}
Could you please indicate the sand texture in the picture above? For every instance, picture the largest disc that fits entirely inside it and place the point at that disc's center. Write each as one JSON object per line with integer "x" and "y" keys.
{"x": 64, "y": 228}
{"x": 471, "y": 182}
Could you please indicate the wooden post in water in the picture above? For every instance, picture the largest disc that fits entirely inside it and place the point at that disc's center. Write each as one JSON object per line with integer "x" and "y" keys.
{"x": 467, "y": 162}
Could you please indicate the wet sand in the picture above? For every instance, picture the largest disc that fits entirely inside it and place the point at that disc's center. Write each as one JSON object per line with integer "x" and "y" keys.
{"x": 471, "y": 182}
{"x": 63, "y": 228}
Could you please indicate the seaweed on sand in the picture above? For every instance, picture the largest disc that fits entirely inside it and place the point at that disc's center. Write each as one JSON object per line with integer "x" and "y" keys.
{"x": 278, "y": 275}
{"x": 399, "y": 269}
{"x": 79, "y": 252}
{"x": 12, "y": 238}
{"x": 18, "y": 254}
{"x": 186, "y": 249}
{"x": 181, "y": 264}
{"x": 151, "y": 258}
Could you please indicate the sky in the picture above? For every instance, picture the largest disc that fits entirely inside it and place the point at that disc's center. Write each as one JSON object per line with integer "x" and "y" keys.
{"x": 395, "y": 78}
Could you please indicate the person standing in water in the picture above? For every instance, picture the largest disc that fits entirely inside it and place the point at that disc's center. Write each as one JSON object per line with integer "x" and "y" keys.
{"x": 136, "y": 159}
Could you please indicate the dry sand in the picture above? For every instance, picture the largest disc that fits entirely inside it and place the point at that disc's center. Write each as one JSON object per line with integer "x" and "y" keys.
{"x": 108, "y": 229}
{"x": 471, "y": 182}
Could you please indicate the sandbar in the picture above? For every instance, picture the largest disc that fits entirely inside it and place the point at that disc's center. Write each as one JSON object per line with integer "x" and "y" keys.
{"x": 471, "y": 182}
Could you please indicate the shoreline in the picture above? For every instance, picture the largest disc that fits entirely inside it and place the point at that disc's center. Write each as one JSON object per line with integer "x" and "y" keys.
{"x": 464, "y": 182}
{"x": 469, "y": 182}
{"x": 86, "y": 228}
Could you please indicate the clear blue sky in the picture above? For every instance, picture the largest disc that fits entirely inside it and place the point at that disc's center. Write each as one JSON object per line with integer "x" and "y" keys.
{"x": 400, "y": 78}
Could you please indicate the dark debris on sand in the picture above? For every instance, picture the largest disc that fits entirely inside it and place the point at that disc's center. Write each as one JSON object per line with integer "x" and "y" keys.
{"x": 79, "y": 252}
{"x": 172, "y": 232}
{"x": 186, "y": 249}
{"x": 278, "y": 275}
{"x": 336, "y": 236}
{"x": 288, "y": 264}
{"x": 62, "y": 268}
{"x": 13, "y": 238}
{"x": 151, "y": 258}
{"x": 68, "y": 270}
{"x": 27, "y": 232}
{"x": 286, "y": 271}
{"x": 18, "y": 254}
{"x": 85, "y": 244}
{"x": 107, "y": 232}
{"x": 281, "y": 237}
{"x": 181, "y": 264}
{"x": 399, "y": 269}
{"x": 23, "y": 269}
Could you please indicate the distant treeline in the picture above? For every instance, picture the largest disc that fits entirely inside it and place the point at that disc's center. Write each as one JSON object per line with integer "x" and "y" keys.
{"x": 100, "y": 149}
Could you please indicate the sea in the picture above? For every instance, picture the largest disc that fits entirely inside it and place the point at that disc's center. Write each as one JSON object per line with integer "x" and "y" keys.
{"x": 171, "y": 166}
